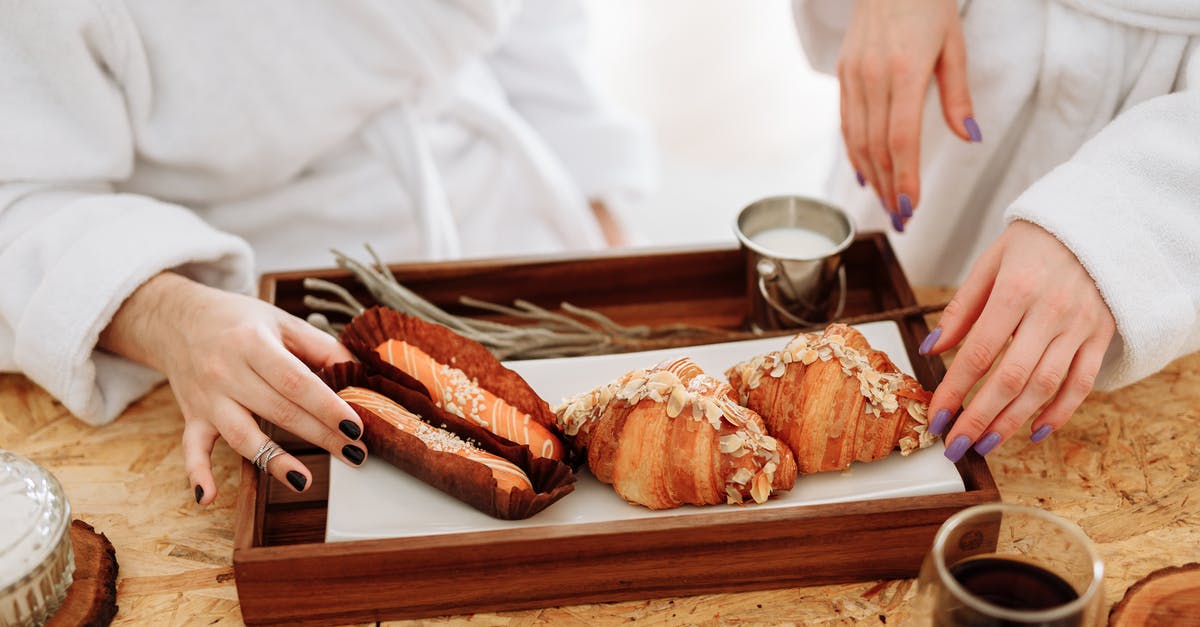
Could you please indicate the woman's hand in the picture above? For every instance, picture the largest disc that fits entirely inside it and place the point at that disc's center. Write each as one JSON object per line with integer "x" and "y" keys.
{"x": 228, "y": 356}
{"x": 891, "y": 50}
{"x": 1028, "y": 287}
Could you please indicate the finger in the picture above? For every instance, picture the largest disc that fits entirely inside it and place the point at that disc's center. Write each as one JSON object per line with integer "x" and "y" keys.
{"x": 854, "y": 121}
{"x": 951, "y": 71}
{"x": 287, "y": 375}
{"x": 1080, "y": 380}
{"x": 241, "y": 432}
{"x": 264, "y": 401}
{"x": 877, "y": 98}
{"x": 199, "y": 437}
{"x": 843, "y": 106}
{"x": 862, "y": 70}
{"x": 312, "y": 345}
{"x": 904, "y": 136}
{"x": 968, "y": 302}
{"x": 1000, "y": 317}
{"x": 1041, "y": 384}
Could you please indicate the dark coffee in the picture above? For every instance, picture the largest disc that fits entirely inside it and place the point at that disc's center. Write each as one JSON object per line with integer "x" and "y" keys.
{"x": 1009, "y": 584}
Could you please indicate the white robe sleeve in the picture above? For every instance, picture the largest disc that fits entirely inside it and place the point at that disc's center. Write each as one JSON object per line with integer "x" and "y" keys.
{"x": 71, "y": 251}
{"x": 1128, "y": 205}
{"x": 543, "y": 67}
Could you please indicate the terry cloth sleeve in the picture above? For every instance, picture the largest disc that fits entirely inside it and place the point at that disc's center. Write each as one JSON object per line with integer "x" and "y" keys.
{"x": 71, "y": 250}
{"x": 1128, "y": 205}
{"x": 542, "y": 64}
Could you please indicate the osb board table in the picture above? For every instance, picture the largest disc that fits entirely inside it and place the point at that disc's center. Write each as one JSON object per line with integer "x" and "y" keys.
{"x": 1124, "y": 468}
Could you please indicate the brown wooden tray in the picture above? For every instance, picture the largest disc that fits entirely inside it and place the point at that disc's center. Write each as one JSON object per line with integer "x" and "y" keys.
{"x": 286, "y": 573}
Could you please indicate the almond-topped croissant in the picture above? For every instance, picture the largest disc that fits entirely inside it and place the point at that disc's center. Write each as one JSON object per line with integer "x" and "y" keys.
{"x": 672, "y": 435}
{"x": 834, "y": 400}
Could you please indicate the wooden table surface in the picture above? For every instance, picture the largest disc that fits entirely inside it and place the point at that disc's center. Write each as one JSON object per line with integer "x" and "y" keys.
{"x": 1124, "y": 468}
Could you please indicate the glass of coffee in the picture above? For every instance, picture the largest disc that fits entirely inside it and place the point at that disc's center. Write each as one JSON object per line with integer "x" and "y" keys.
{"x": 1001, "y": 564}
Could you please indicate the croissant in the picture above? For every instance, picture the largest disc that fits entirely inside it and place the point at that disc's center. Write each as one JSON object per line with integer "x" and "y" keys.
{"x": 671, "y": 435}
{"x": 834, "y": 400}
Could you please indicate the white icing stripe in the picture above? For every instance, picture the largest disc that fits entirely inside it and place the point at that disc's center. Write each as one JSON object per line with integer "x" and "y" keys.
{"x": 457, "y": 394}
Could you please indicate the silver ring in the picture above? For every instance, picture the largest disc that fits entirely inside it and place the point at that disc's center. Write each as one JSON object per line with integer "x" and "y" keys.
{"x": 268, "y": 451}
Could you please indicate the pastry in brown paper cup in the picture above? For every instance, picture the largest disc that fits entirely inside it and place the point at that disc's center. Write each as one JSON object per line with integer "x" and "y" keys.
{"x": 369, "y": 333}
{"x": 467, "y": 480}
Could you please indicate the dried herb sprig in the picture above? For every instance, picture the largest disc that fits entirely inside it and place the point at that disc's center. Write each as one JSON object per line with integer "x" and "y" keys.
{"x": 551, "y": 334}
{"x": 577, "y": 332}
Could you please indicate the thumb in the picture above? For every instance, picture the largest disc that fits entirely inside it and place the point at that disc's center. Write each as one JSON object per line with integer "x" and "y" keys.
{"x": 951, "y": 72}
{"x": 968, "y": 302}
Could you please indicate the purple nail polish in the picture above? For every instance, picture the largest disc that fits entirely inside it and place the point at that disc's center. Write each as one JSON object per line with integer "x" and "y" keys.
{"x": 972, "y": 130}
{"x": 957, "y": 448}
{"x": 897, "y": 223}
{"x": 929, "y": 341}
{"x": 862, "y": 182}
{"x": 906, "y": 208}
{"x": 989, "y": 442}
{"x": 941, "y": 420}
{"x": 1041, "y": 433}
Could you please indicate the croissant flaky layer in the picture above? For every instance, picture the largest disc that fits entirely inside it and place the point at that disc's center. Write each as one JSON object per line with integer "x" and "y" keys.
{"x": 834, "y": 400}
{"x": 671, "y": 435}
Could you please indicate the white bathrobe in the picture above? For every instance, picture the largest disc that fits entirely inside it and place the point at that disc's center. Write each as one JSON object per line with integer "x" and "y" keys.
{"x": 1090, "y": 113}
{"x": 147, "y": 135}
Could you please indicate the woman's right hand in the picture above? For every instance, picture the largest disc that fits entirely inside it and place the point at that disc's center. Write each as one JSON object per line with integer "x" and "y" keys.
{"x": 229, "y": 356}
{"x": 889, "y": 54}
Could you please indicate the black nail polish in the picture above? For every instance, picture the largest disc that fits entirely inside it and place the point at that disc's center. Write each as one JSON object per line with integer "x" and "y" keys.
{"x": 354, "y": 454}
{"x": 297, "y": 480}
{"x": 199, "y": 493}
{"x": 350, "y": 429}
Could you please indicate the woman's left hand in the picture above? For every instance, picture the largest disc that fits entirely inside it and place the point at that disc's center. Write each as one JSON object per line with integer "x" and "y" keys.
{"x": 1028, "y": 287}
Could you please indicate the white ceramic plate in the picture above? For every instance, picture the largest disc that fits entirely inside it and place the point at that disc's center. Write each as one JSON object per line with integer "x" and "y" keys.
{"x": 377, "y": 500}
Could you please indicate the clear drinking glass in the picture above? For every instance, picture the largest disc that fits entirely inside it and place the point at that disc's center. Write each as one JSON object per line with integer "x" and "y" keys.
{"x": 1001, "y": 564}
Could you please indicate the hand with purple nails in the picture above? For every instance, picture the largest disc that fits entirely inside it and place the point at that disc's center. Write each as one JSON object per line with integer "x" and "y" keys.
{"x": 1030, "y": 289}
{"x": 891, "y": 51}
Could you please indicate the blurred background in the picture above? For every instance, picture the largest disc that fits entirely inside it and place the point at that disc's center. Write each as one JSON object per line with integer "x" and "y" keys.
{"x": 735, "y": 109}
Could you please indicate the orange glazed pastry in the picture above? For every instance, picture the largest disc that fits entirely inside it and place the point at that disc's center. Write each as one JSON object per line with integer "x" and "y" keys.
{"x": 460, "y": 375}
{"x": 453, "y": 391}
{"x": 403, "y": 427}
{"x": 508, "y": 476}
{"x": 834, "y": 400}
{"x": 672, "y": 435}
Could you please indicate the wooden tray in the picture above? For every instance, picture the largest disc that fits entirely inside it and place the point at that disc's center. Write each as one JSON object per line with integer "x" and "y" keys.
{"x": 286, "y": 573}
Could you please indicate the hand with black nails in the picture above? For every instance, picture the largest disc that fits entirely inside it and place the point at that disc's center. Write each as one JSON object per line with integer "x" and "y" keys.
{"x": 229, "y": 357}
{"x": 1031, "y": 289}
{"x": 891, "y": 51}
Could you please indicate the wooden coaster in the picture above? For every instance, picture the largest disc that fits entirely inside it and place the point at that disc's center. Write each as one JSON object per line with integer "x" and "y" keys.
{"x": 1168, "y": 596}
{"x": 92, "y": 598}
